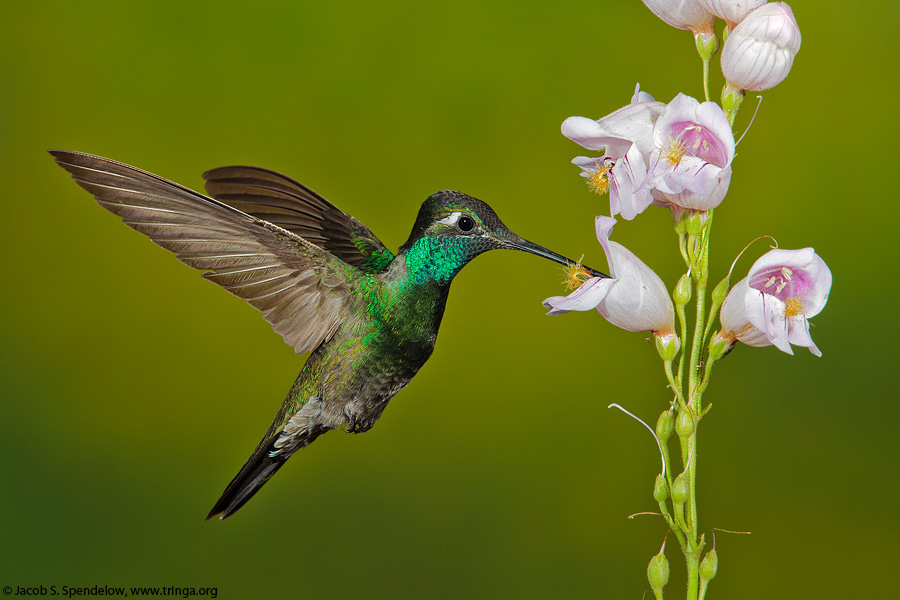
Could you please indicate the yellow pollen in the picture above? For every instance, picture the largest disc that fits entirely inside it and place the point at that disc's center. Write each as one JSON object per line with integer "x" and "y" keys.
{"x": 675, "y": 151}
{"x": 598, "y": 179}
{"x": 793, "y": 308}
{"x": 575, "y": 275}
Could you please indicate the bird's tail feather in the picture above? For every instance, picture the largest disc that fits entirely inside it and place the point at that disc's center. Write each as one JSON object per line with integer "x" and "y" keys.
{"x": 254, "y": 474}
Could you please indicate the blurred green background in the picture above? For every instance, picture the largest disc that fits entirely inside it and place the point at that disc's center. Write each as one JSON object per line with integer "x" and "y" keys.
{"x": 132, "y": 391}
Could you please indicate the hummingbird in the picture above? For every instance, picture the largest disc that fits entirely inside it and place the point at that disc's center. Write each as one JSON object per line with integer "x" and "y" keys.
{"x": 320, "y": 277}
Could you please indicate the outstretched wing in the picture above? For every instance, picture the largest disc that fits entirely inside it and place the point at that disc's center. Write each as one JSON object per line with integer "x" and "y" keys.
{"x": 293, "y": 206}
{"x": 300, "y": 288}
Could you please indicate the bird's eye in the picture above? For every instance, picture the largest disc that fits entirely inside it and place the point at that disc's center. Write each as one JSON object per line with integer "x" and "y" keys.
{"x": 465, "y": 224}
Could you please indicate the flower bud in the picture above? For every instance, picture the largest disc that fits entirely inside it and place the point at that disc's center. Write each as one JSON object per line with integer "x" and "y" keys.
{"x": 732, "y": 98}
{"x": 731, "y": 11}
{"x": 683, "y": 289}
{"x": 658, "y": 573}
{"x": 720, "y": 345}
{"x": 710, "y": 565}
{"x": 660, "y": 489}
{"x": 668, "y": 345}
{"x": 721, "y": 291}
{"x": 695, "y": 222}
{"x": 759, "y": 53}
{"x": 707, "y": 43}
{"x": 684, "y": 425}
{"x": 679, "y": 490}
{"x": 665, "y": 426}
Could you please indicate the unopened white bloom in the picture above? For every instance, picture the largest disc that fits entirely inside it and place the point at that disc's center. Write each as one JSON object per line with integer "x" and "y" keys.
{"x": 683, "y": 14}
{"x": 731, "y": 11}
{"x": 759, "y": 52}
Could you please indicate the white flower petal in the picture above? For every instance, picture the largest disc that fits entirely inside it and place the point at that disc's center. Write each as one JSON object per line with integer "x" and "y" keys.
{"x": 639, "y": 301}
{"x": 586, "y": 297}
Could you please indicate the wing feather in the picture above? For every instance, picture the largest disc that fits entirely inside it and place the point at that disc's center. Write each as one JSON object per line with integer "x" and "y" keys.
{"x": 293, "y": 206}
{"x": 301, "y": 288}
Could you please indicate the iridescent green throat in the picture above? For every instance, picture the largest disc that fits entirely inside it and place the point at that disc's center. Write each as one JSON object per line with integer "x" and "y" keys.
{"x": 436, "y": 259}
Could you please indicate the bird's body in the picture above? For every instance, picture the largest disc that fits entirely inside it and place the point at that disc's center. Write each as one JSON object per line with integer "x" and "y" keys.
{"x": 319, "y": 276}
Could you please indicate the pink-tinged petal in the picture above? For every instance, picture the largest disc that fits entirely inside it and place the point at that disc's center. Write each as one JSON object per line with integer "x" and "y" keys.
{"x": 589, "y": 163}
{"x": 624, "y": 198}
{"x": 635, "y": 123}
{"x": 639, "y": 300}
{"x": 713, "y": 119}
{"x": 695, "y": 175}
{"x": 585, "y": 132}
{"x": 603, "y": 226}
{"x": 808, "y": 279}
{"x": 693, "y": 145}
{"x": 702, "y": 126}
{"x": 586, "y": 297}
{"x": 767, "y": 314}
{"x": 640, "y": 96}
{"x": 616, "y": 132}
{"x": 682, "y": 14}
{"x": 782, "y": 289}
{"x": 733, "y": 316}
{"x": 682, "y": 108}
{"x": 799, "y": 336}
{"x": 731, "y": 11}
{"x": 693, "y": 200}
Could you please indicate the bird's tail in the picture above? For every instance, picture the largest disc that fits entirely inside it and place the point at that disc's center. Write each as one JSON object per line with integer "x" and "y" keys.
{"x": 256, "y": 472}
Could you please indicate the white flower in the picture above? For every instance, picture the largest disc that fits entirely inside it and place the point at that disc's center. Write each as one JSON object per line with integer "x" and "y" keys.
{"x": 694, "y": 147}
{"x": 633, "y": 298}
{"x": 626, "y": 138}
{"x": 759, "y": 52}
{"x": 772, "y": 304}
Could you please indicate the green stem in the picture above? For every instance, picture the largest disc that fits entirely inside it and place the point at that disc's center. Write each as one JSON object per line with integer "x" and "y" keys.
{"x": 703, "y": 584}
{"x": 706, "y": 78}
{"x": 694, "y": 394}
{"x": 697, "y": 342}
{"x": 676, "y": 387}
{"x": 693, "y": 568}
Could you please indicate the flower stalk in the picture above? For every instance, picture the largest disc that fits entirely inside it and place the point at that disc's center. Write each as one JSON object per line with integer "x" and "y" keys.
{"x": 679, "y": 156}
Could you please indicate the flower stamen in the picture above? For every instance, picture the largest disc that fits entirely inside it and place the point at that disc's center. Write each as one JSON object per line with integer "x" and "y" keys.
{"x": 575, "y": 275}
{"x": 793, "y": 308}
{"x": 675, "y": 150}
{"x": 598, "y": 179}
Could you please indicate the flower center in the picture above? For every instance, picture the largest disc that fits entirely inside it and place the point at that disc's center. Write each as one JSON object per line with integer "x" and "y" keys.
{"x": 598, "y": 179}
{"x": 687, "y": 137}
{"x": 575, "y": 275}
{"x": 675, "y": 150}
{"x": 787, "y": 284}
{"x": 793, "y": 308}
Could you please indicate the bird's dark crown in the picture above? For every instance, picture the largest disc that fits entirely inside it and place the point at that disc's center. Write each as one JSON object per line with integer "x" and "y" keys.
{"x": 441, "y": 213}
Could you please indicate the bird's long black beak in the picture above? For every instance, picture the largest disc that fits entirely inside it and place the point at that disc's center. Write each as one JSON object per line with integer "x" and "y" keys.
{"x": 514, "y": 242}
